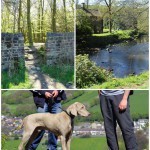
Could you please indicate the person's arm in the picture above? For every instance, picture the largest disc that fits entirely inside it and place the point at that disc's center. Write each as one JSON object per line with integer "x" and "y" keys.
{"x": 44, "y": 93}
{"x": 55, "y": 93}
{"x": 123, "y": 103}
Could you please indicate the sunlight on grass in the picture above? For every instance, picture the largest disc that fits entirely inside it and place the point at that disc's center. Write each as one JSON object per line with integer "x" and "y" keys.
{"x": 138, "y": 81}
{"x": 63, "y": 73}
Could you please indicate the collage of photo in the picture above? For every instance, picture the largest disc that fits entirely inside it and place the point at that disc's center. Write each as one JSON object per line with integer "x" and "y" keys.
{"x": 75, "y": 75}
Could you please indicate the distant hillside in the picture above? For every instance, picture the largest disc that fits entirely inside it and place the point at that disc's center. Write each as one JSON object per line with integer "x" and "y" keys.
{"x": 20, "y": 103}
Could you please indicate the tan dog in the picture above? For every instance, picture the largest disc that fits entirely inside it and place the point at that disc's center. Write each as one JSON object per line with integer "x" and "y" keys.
{"x": 60, "y": 124}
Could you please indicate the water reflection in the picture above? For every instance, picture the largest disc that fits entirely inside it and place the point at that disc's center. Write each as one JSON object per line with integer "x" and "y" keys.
{"x": 125, "y": 58}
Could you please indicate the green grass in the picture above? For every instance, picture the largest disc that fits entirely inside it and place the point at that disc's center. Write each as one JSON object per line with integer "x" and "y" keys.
{"x": 76, "y": 144}
{"x": 138, "y": 81}
{"x": 89, "y": 143}
{"x": 18, "y": 80}
{"x": 61, "y": 73}
{"x": 122, "y": 34}
{"x": 85, "y": 98}
{"x": 139, "y": 98}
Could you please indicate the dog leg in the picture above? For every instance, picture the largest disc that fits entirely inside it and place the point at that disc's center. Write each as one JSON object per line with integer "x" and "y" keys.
{"x": 31, "y": 139}
{"x": 63, "y": 142}
{"x": 24, "y": 140}
{"x": 68, "y": 143}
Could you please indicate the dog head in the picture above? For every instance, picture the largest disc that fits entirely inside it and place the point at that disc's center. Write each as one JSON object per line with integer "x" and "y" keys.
{"x": 78, "y": 109}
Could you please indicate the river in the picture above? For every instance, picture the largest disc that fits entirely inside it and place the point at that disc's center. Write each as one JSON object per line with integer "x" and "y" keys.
{"x": 124, "y": 58}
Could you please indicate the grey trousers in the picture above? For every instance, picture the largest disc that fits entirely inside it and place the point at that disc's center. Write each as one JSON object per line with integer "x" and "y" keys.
{"x": 110, "y": 110}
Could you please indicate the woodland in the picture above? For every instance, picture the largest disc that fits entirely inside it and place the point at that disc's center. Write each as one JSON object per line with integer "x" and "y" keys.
{"x": 34, "y": 18}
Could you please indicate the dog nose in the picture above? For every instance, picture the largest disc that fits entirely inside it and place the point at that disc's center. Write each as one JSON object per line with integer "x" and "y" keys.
{"x": 89, "y": 114}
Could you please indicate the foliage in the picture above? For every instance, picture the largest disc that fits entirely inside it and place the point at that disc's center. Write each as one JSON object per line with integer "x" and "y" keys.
{"x": 3, "y": 141}
{"x": 24, "y": 110}
{"x": 5, "y": 109}
{"x": 62, "y": 73}
{"x": 138, "y": 81}
{"x": 42, "y": 54}
{"x": 41, "y": 14}
{"x": 83, "y": 24}
{"x": 87, "y": 73}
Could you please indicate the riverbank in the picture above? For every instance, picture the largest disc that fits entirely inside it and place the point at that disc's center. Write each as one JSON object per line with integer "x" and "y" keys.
{"x": 104, "y": 39}
{"x": 139, "y": 81}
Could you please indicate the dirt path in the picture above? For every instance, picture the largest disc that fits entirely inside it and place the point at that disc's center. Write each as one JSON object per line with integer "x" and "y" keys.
{"x": 38, "y": 79}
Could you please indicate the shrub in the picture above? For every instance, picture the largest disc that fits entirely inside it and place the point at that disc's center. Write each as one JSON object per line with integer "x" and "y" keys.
{"x": 4, "y": 138}
{"x": 83, "y": 25}
{"x": 87, "y": 73}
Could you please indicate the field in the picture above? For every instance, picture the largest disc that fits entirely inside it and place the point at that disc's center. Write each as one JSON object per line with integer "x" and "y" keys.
{"x": 18, "y": 102}
{"x": 139, "y": 98}
{"x": 77, "y": 144}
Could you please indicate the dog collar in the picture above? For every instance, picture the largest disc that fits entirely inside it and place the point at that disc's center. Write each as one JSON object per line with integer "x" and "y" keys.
{"x": 70, "y": 115}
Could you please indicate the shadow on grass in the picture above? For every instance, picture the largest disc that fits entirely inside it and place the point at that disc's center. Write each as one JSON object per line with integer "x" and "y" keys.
{"x": 63, "y": 73}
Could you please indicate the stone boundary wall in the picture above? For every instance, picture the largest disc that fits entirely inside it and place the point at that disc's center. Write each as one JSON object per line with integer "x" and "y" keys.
{"x": 60, "y": 48}
{"x": 12, "y": 49}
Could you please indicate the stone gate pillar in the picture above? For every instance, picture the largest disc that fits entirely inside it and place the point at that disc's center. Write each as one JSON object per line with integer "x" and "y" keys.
{"x": 60, "y": 48}
{"x": 12, "y": 48}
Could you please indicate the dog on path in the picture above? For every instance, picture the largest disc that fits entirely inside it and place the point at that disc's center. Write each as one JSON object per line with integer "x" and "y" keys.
{"x": 60, "y": 124}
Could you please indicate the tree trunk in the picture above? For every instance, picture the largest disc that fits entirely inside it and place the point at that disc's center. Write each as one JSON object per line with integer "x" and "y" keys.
{"x": 42, "y": 20}
{"x": 19, "y": 17}
{"x": 39, "y": 20}
{"x": 54, "y": 16}
{"x": 110, "y": 21}
{"x": 66, "y": 27}
{"x": 14, "y": 26}
{"x": 109, "y": 5}
{"x": 29, "y": 24}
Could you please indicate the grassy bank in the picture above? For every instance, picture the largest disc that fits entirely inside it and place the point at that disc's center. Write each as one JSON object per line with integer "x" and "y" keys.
{"x": 100, "y": 40}
{"x": 104, "y": 39}
{"x": 138, "y": 81}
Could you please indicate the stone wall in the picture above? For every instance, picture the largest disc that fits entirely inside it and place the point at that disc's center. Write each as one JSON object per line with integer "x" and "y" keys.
{"x": 60, "y": 48}
{"x": 12, "y": 49}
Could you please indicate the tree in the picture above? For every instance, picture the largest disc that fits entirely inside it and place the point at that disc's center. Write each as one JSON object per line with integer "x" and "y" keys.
{"x": 19, "y": 15}
{"x": 109, "y": 5}
{"x": 64, "y": 3}
{"x": 54, "y": 16}
{"x": 29, "y": 24}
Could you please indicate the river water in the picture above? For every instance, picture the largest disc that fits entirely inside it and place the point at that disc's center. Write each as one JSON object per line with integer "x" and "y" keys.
{"x": 124, "y": 58}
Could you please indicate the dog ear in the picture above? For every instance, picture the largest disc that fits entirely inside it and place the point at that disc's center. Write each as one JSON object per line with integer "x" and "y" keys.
{"x": 73, "y": 112}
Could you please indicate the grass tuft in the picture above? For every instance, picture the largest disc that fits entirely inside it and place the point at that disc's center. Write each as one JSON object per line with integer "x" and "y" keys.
{"x": 63, "y": 73}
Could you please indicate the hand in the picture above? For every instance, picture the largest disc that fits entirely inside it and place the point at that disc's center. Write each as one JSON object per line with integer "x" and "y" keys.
{"x": 48, "y": 95}
{"x": 123, "y": 104}
{"x": 55, "y": 93}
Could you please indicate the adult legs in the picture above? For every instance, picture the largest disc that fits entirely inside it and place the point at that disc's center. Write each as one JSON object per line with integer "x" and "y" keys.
{"x": 37, "y": 140}
{"x": 126, "y": 124}
{"x": 109, "y": 122}
{"x": 52, "y": 139}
